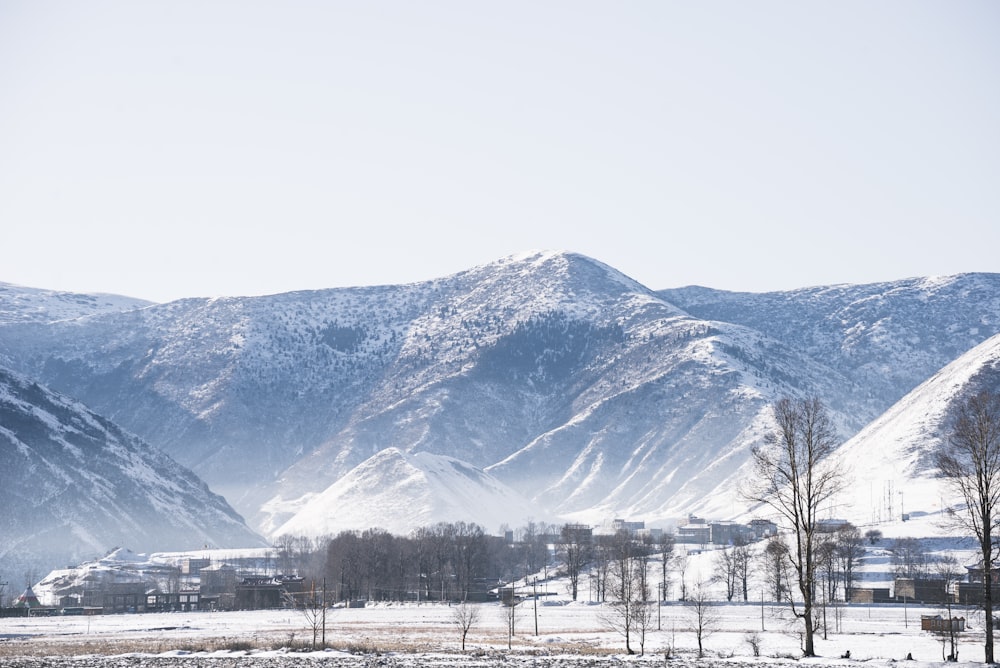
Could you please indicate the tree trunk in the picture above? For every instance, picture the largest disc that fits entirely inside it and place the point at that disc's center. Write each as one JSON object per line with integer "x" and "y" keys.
{"x": 809, "y": 648}
{"x": 988, "y": 603}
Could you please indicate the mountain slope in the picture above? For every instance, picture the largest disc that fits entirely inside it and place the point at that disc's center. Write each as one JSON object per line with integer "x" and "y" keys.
{"x": 22, "y": 304}
{"x": 886, "y": 337}
{"x": 397, "y": 491}
{"x": 618, "y": 384}
{"x": 891, "y": 459}
{"x": 73, "y": 484}
{"x": 580, "y": 389}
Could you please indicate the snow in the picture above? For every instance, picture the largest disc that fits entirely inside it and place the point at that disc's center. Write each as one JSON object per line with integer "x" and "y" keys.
{"x": 891, "y": 455}
{"x": 569, "y": 632}
{"x": 872, "y": 633}
{"x": 396, "y": 491}
{"x": 23, "y": 304}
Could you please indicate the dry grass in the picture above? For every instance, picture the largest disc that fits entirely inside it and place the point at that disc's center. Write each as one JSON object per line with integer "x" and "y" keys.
{"x": 399, "y": 641}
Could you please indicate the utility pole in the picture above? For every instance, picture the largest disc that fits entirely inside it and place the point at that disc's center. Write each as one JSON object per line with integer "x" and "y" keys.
{"x": 324, "y": 613}
{"x": 534, "y": 591}
{"x": 762, "y": 610}
{"x": 659, "y": 606}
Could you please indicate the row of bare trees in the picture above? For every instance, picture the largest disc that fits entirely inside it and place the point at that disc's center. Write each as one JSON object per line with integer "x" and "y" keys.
{"x": 444, "y": 561}
{"x": 440, "y": 562}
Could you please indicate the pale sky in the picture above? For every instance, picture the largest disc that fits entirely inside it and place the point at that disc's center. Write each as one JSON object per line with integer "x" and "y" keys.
{"x": 198, "y": 148}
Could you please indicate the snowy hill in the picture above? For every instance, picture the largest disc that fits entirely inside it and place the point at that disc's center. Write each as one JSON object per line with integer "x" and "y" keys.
{"x": 575, "y": 387}
{"x": 397, "y": 491}
{"x": 892, "y": 456}
{"x": 73, "y": 484}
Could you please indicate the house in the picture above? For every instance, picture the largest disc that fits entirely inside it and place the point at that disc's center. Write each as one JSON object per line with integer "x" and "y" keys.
{"x": 696, "y": 531}
{"x": 117, "y": 597}
{"x": 971, "y": 591}
{"x": 870, "y": 595}
{"x": 217, "y": 587}
{"x": 191, "y": 565}
{"x": 920, "y": 589}
{"x": 182, "y": 601}
{"x": 940, "y": 625}
{"x": 761, "y": 529}
{"x": 630, "y": 527}
{"x": 262, "y": 593}
{"x": 482, "y": 590}
{"x": 730, "y": 533}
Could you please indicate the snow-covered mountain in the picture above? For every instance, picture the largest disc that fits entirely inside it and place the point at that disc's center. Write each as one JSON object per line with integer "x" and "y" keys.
{"x": 74, "y": 484}
{"x": 580, "y": 390}
{"x": 891, "y": 459}
{"x": 886, "y": 337}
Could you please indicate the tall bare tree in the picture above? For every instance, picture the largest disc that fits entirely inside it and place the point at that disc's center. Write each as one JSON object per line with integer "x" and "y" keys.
{"x": 704, "y": 616}
{"x": 743, "y": 555}
{"x": 775, "y": 565}
{"x": 850, "y": 549}
{"x": 970, "y": 462}
{"x": 629, "y": 587}
{"x": 794, "y": 476}
{"x": 574, "y": 549}
{"x": 950, "y": 572}
{"x": 726, "y": 571}
{"x": 665, "y": 547}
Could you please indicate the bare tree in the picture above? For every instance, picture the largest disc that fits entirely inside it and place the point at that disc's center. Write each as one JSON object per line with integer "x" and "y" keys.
{"x": 602, "y": 569}
{"x": 743, "y": 554}
{"x": 828, "y": 567}
{"x": 681, "y": 564}
{"x": 704, "y": 617}
{"x": 849, "y": 551}
{"x": 909, "y": 558}
{"x": 534, "y": 549}
{"x": 642, "y": 613}
{"x": 629, "y": 588}
{"x": 724, "y": 564}
{"x": 312, "y": 605}
{"x": 511, "y": 613}
{"x": 575, "y": 551}
{"x": 465, "y": 616}
{"x": 970, "y": 463}
{"x": 665, "y": 547}
{"x": 794, "y": 476}
{"x": 775, "y": 565}
{"x": 949, "y": 571}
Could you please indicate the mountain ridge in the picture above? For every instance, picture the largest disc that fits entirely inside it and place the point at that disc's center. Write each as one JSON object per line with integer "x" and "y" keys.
{"x": 74, "y": 483}
{"x": 585, "y": 392}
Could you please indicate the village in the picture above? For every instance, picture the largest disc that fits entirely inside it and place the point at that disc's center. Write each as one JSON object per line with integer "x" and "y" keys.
{"x": 698, "y": 552}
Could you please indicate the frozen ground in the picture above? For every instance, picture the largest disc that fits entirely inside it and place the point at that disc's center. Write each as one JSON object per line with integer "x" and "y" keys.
{"x": 569, "y": 634}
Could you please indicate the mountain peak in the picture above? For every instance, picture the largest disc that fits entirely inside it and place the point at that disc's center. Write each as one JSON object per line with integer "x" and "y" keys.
{"x": 399, "y": 491}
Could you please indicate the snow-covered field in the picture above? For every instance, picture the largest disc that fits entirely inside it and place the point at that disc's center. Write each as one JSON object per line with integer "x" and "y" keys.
{"x": 411, "y": 634}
